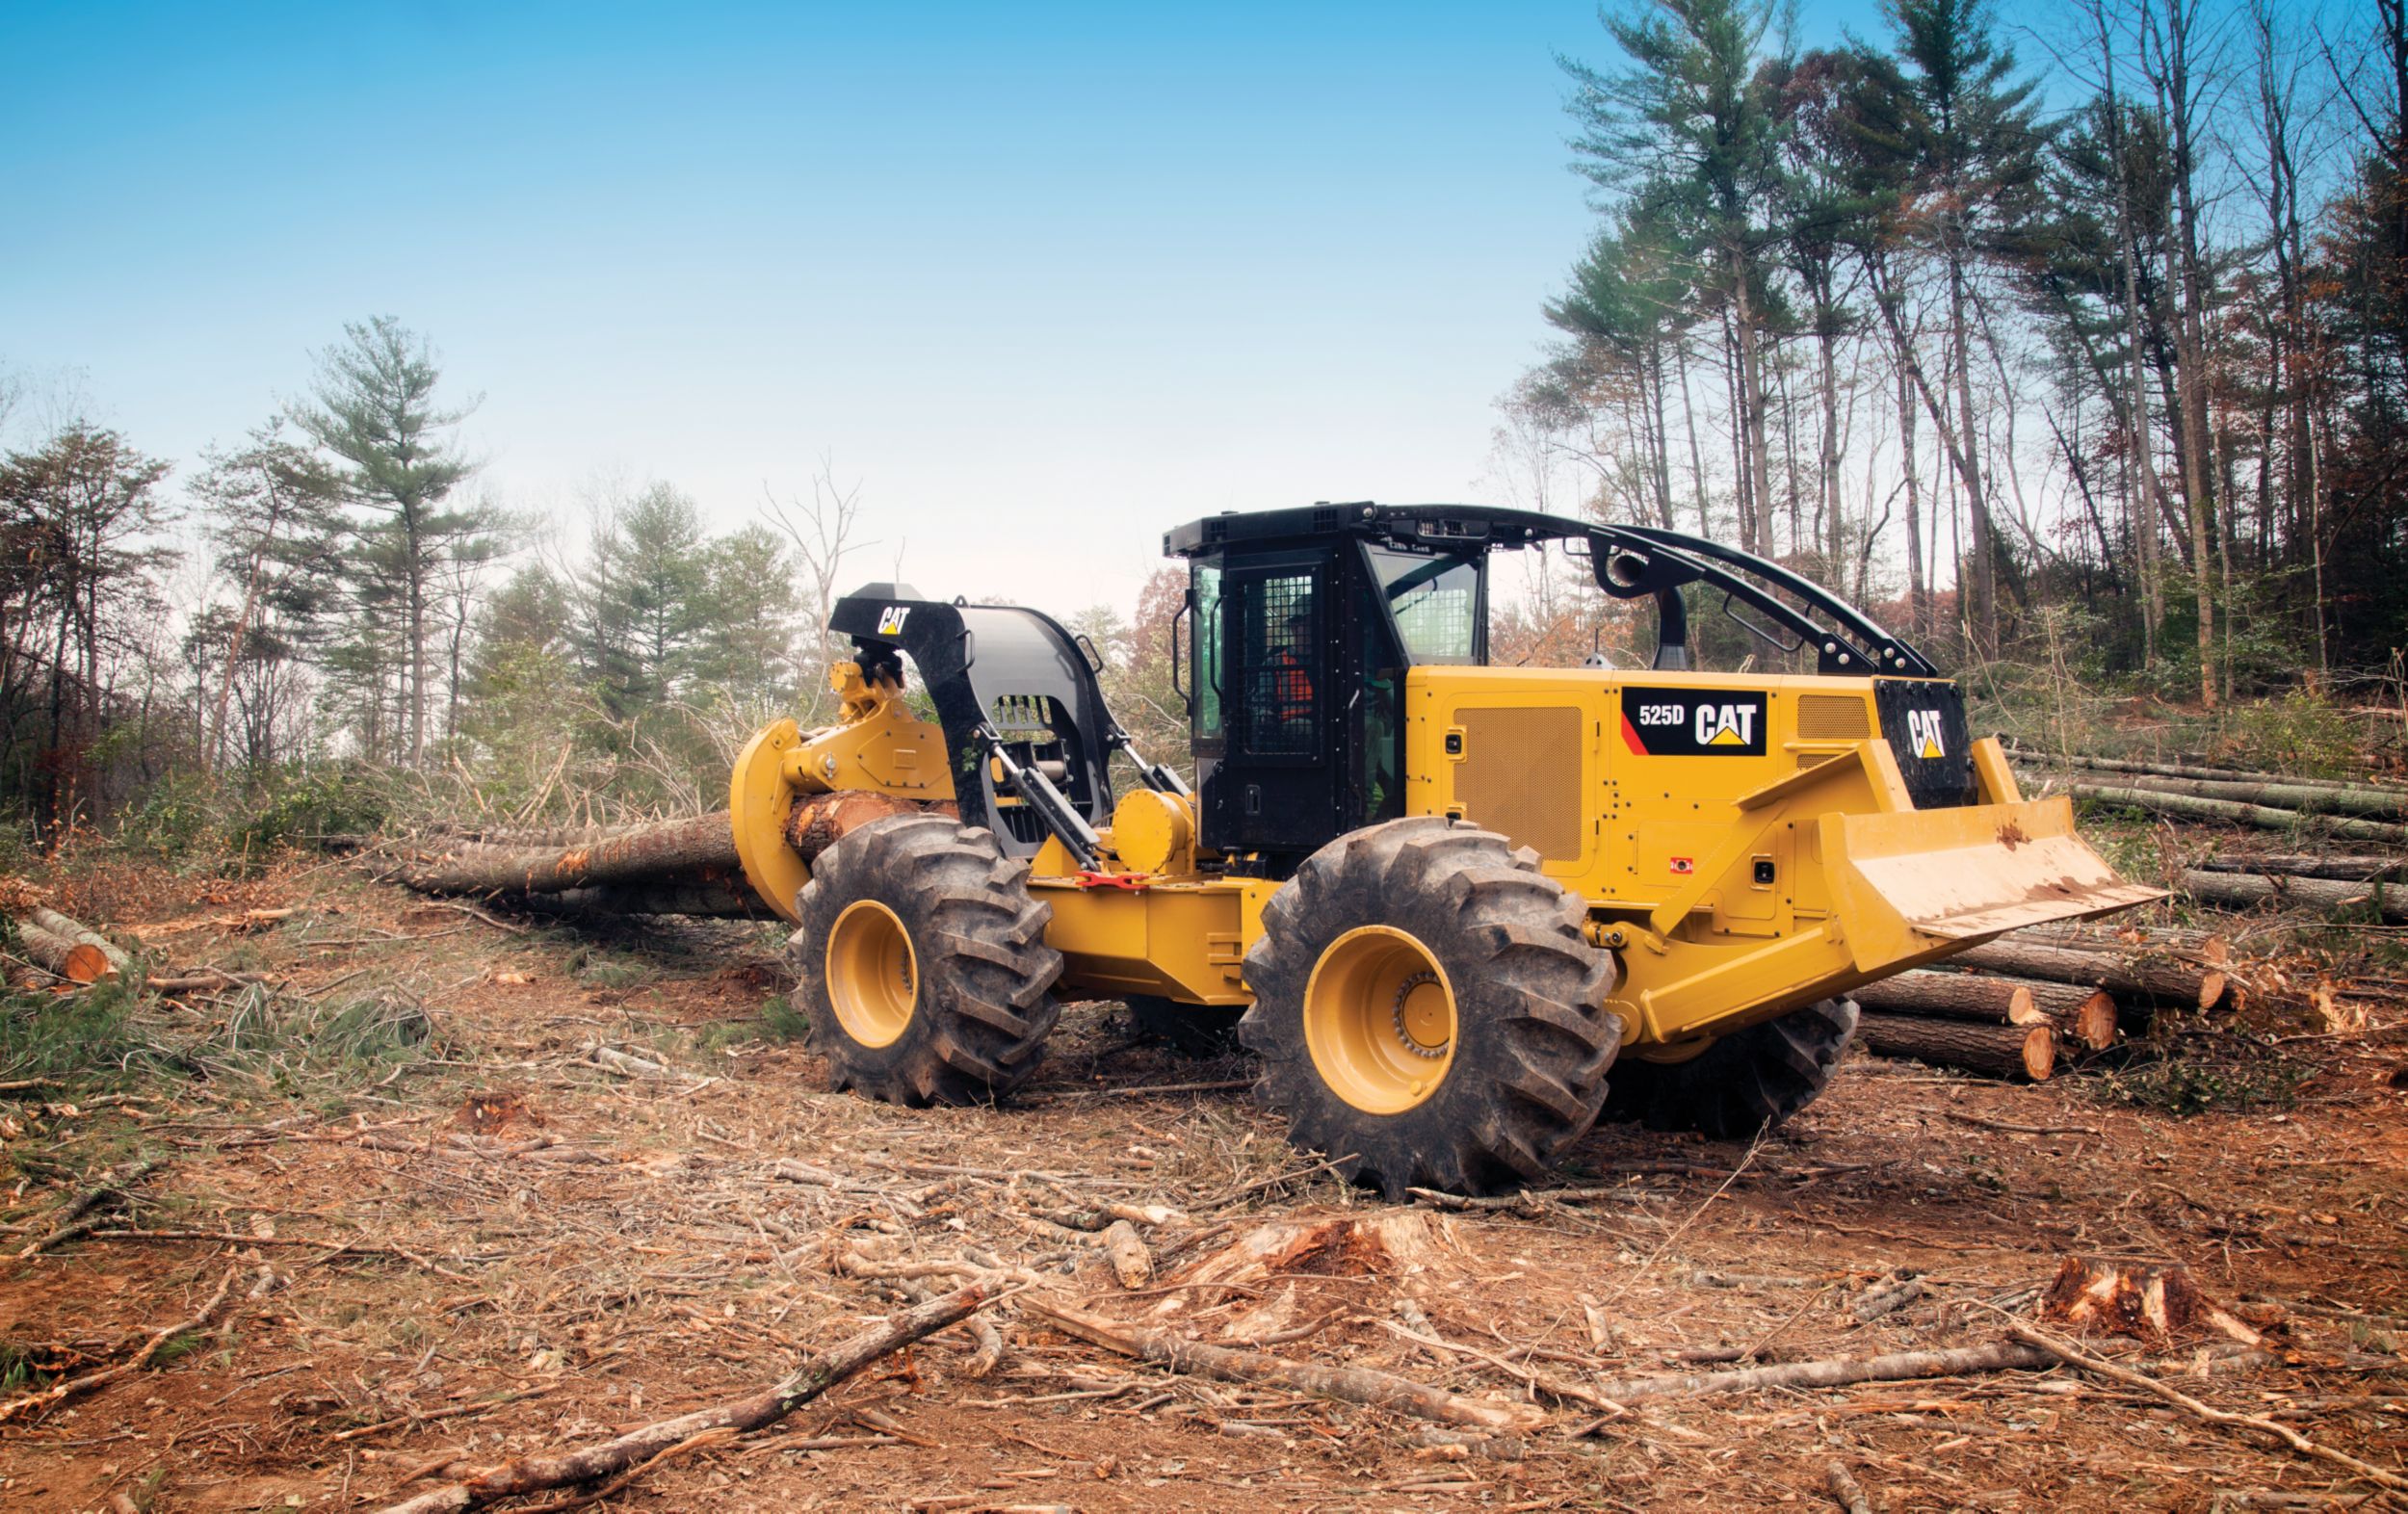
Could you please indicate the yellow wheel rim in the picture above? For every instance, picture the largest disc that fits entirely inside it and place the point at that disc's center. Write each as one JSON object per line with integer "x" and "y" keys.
{"x": 873, "y": 973}
{"x": 1380, "y": 1020}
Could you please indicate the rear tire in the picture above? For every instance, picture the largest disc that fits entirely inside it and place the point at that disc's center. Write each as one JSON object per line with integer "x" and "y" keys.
{"x": 1749, "y": 1081}
{"x": 922, "y": 963}
{"x": 1427, "y": 1009}
{"x": 1189, "y": 1029}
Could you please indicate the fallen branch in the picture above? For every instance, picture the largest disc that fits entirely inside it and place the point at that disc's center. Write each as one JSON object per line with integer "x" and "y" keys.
{"x": 60, "y": 1392}
{"x": 2073, "y": 1355}
{"x": 533, "y": 1474}
{"x": 200, "y": 978}
{"x": 1846, "y": 1489}
{"x": 1351, "y": 1384}
{"x": 75, "y": 1220}
{"x": 1832, "y": 1372}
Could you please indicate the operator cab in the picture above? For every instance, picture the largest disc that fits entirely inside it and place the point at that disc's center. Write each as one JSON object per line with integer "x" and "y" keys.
{"x": 1302, "y": 624}
{"x": 1302, "y": 627}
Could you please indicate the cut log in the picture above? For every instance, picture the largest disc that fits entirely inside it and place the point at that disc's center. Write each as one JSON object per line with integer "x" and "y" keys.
{"x": 76, "y": 961}
{"x": 1839, "y": 1373}
{"x": 2154, "y": 980}
{"x": 2276, "y": 794}
{"x": 1131, "y": 1261}
{"x": 682, "y": 867}
{"x": 2250, "y": 891}
{"x": 2194, "y": 770}
{"x": 2309, "y": 864}
{"x": 703, "y": 844}
{"x": 2008, "y": 1050}
{"x": 1952, "y": 996}
{"x": 81, "y": 934}
{"x": 2089, "y": 1020}
{"x": 820, "y": 821}
{"x": 2234, "y": 812}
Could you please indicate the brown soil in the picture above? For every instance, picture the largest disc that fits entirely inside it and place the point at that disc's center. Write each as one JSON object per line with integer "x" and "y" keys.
{"x": 544, "y": 1250}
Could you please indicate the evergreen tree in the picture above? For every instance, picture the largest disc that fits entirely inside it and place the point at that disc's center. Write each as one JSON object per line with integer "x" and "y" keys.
{"x": 375, "y": 414}
{"x": 1693, "y": 118}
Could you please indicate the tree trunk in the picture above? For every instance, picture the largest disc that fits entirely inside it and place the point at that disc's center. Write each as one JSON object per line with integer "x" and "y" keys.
{"x": 683, "y": 867}
{"x": 76, "y": 961}
{"x": 1984, "y": 616}
{"x": 2302, "y": 799}
{"x": 703, "y": 844}
{"x": 2156, "y": 981}
{"x": 2250, "y": 890}
{"x": 78, "y": 933}
{"x": 2309, "y": 865}
{"x": 1752, "y": 385}
{"x": 700, "y": 898}
{"x": 1916, "y": 600}
{"x": 2083, "y": 1015}
{"x": 2012, "y": 1050}
{"x": 1952, "y": 996}
{"x": 2173, "y": 769}
{"x": 2234, "y": 812}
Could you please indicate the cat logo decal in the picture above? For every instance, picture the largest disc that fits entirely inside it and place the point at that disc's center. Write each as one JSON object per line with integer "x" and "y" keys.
{"x": 1925, "y": 735}
{"x": 1692, "y": 722}
{"x": 1725, "y": 724}
{"x": 890, "y": 620}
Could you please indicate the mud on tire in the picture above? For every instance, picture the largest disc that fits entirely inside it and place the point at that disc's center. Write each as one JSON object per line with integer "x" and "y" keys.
{"x": 1749, "y": 1081}
{"x": 974, "y": 994}
{"x": 1533, "y": 1039}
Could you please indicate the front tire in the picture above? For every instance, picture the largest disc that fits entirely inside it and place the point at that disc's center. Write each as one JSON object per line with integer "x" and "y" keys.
{"x": 922, "y": 963}
{"x": 1427, "y": 1010}
{"x": 1748, "y": 1081}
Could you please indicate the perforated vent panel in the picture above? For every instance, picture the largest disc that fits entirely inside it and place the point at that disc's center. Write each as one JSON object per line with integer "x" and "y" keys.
{"x": 1832, "y": 718}
{"x": 1521, "y": 776}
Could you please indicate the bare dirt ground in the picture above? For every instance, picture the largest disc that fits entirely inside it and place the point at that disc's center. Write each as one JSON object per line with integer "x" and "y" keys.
{"x": 462, "y": 1236}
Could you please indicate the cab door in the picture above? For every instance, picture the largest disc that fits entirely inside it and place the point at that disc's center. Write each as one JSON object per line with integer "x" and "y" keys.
{"x": 1265, "y": 660}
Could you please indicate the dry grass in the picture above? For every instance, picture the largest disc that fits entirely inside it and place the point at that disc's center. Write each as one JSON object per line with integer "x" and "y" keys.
{"x": 485, "y": 1228}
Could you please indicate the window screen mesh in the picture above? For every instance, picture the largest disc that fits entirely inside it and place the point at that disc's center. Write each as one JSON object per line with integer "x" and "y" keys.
{"x": 1280, "y": 704}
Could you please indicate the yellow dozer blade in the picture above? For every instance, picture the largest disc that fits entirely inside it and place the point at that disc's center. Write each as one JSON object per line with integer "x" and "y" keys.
{"x": 1900, "y": 886}
{"x": 1911, "y": 883}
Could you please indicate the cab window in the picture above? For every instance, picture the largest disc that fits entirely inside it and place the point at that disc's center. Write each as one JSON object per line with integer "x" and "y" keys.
{"x": 1434, "y": 602}
{"x": 1210, "y": 656}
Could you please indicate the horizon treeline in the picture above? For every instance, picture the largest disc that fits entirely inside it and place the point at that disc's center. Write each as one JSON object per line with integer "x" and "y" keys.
{"x": 2111, "y": 352}
{"x": 2077, "y": 349}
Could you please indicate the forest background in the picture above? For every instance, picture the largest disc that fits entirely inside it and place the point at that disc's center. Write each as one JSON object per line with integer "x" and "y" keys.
{"x": 2077, "y": 348}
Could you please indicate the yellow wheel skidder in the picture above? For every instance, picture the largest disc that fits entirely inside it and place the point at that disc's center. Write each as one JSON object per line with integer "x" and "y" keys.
{"x": 1458, "y": 910}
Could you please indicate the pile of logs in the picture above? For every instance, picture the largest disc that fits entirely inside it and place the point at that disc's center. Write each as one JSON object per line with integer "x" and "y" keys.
{"x": 66, "y": 949}
{"x": 2019, "y": 1006}
{"x": 2270, "y": 802}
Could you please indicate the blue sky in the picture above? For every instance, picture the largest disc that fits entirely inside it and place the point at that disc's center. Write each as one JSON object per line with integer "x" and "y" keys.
{"x": 1044, "y": 280}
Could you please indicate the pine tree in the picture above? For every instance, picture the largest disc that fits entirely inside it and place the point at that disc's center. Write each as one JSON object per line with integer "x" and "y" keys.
{"x": 375, "y": 415}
